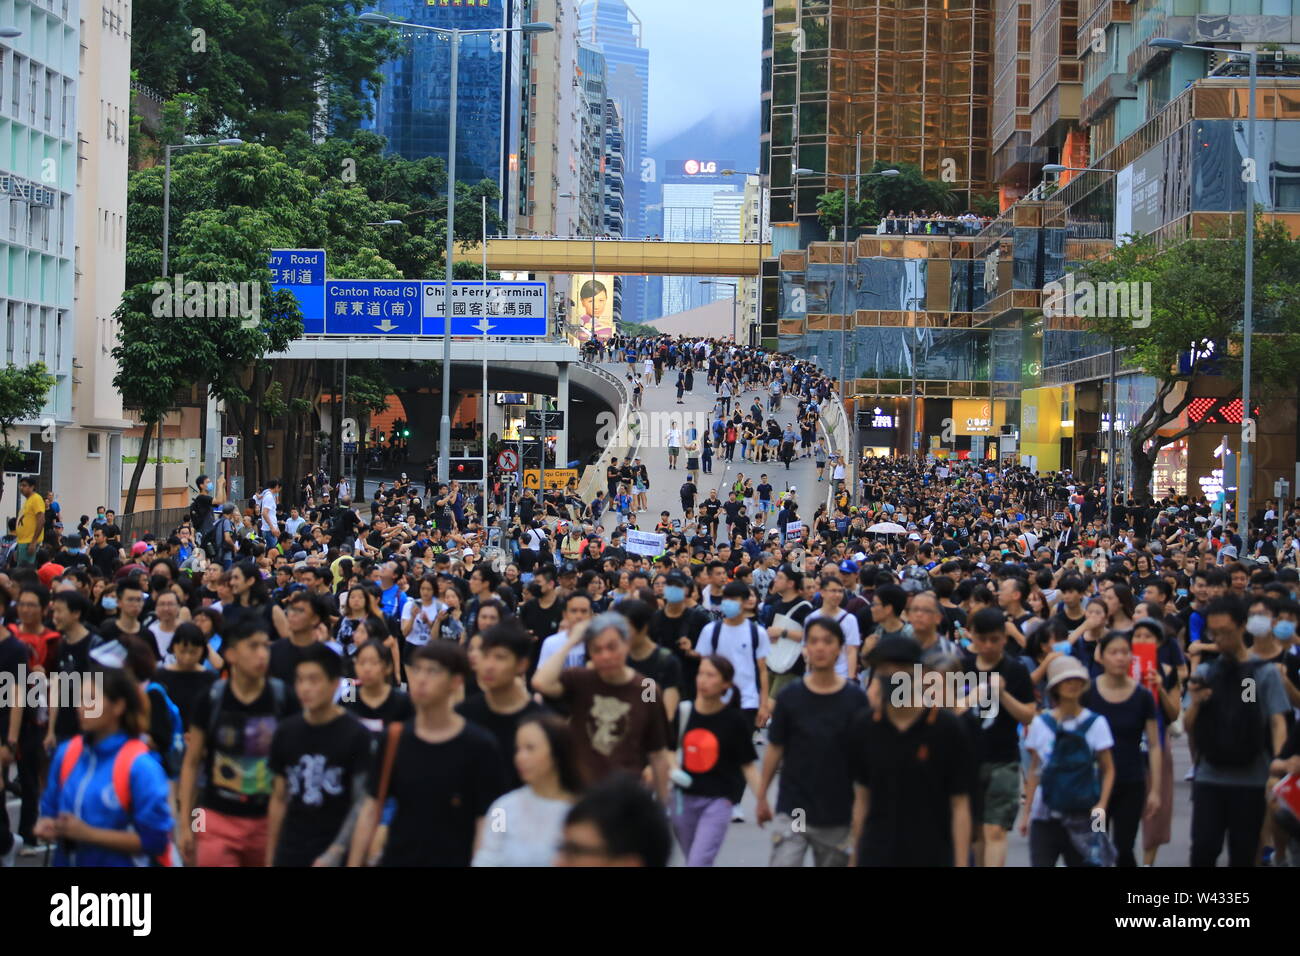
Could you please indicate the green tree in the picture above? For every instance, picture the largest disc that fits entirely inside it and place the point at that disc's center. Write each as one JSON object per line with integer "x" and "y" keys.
{"x": 905, "y": 193}
{"x": 1194, "y": 326}
{"x": 23, "y": 393}
{"x": 262, "y": 69}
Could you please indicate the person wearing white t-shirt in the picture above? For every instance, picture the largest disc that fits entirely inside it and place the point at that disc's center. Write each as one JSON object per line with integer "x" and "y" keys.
{"x": 266, "y": 502}
{"x": 167, "y": 608}
{"x": 832, "y": 592}
{"x": 745, "y": 644}
{"x": 577, "y": 608}
{"x": 420, "y": 619}
{"x": 1049, "y": 828}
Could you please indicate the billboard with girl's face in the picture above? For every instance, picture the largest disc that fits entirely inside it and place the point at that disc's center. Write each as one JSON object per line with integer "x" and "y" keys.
{"x": 591, "y": 314}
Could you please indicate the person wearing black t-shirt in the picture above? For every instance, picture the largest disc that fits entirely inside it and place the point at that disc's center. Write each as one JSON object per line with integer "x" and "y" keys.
{"x": 230, "y": 736}
{"x": 677, "y": 627}
{"x": 504, "y": 702}
{"x": 103, "y": 555}
{"x": 912, "y": 772}
{"x": 808, "y": 742}
{"x": 68, "y": 608}
{"x": 996, "y": 796}
{"x": 443, "y": 770}
{"x": 186, "y": 680}
{"x": 374, "y": 701}
{"x": 319, "y": 758}
{"x": 786, "y": 587}
{"x": 717, "y": 752}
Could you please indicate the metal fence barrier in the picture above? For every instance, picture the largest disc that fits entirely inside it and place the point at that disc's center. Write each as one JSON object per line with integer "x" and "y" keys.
{"x": 139, "y": 523}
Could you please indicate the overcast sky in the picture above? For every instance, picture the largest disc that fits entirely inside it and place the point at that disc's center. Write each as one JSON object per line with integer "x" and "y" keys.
{"x": 704, "y": 58}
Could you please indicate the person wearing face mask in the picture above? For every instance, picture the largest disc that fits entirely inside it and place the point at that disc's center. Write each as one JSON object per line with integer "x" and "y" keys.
{"x": 1271, "y": 626}
{"x": 744, "y": 643}
{"x": 677, "y": 626}
{"x": 201, "y": 508}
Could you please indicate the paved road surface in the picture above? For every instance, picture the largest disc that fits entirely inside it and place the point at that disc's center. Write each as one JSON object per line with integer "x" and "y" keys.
{"x": 664, "y": 494}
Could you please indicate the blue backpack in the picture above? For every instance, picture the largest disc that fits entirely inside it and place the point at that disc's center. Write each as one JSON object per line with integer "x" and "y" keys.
{"x": 1070, "y": 782}
{"x": 171, "y": 757}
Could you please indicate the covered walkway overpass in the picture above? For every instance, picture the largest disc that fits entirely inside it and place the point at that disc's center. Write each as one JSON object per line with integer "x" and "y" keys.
{"x": 620, "y": 256}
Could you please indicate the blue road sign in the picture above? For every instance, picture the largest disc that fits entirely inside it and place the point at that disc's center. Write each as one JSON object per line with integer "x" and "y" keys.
{"x": 302, "y": 272}
{"x": 512, "y": 308}
{"x": 372, "y": 307}
{"x": 297, "y": 267}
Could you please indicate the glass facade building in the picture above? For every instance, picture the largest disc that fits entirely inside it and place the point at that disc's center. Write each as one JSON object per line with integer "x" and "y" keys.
{"x": 412, "y": 105}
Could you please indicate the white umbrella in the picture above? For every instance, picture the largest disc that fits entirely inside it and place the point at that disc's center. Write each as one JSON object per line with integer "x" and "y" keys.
{"x": 887, "y": 527}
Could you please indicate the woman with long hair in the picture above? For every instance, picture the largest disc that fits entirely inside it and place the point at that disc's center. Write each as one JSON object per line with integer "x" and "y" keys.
{"x": 1131, "y": 712}
{"x": 716, "y": 758}
{"x": 1085, "y": 638}
{"x": 375, "y": 701}
{"x": 106, "y": 802}
{"x": 362, "y": 619}
{"x": 544, "y": 758}
{"x": 1119, "y": 607}
{"x": 250, "y": 600}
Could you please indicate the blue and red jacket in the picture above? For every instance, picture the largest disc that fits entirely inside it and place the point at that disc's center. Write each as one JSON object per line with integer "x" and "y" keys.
{"x": 114, "y": 785}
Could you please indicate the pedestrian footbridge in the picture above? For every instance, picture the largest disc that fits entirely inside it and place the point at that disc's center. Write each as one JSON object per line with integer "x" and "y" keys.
{"x": 620, "y": 256}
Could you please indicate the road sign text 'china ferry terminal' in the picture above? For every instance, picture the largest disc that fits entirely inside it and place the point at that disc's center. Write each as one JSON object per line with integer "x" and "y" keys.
{"x": 357, "y": 307}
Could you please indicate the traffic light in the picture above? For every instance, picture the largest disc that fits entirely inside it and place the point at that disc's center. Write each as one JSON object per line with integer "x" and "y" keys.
{"x": 406, "y": 433}
{"x": 467, "y": 469}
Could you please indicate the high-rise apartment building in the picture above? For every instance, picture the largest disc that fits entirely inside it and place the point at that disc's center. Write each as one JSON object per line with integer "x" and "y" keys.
{"x": 614, "y": 29}
{"x": 547, "y": 174}
{"x": 89, "y": 450}
{"x": 754, "y": 229}
{"x": 614, "y": 183}
{"x": 413, "y": 103}
{"x": 591, "y": 162}
{"x": 62, "y": 242}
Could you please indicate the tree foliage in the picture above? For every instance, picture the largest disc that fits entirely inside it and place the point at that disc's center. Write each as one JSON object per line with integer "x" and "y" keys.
{"x": 262, "y": 69}
{"x": 1197, "y": 296}
{"x": 907, "y": 192}
{"x": 23, "y": 394}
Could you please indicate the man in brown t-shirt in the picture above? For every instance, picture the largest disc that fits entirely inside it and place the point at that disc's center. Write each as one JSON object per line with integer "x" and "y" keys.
{"x": 616, "y": 715}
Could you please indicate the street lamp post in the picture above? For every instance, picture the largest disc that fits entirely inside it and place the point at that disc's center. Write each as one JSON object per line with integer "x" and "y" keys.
{"x": 1249, "y": 177}
{"x": 454, "y": 35}
{"x": 857, "y": 178}
{"x": 734, "y": 287}
{"x": 211, "y": 425}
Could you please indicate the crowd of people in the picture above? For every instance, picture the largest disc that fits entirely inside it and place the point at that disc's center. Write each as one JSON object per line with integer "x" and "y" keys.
{"x": 931, "y": 224}
{"x": 429, "y": 684}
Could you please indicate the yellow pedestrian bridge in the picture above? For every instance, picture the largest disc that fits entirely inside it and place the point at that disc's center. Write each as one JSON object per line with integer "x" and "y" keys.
{"x": 619, "y": 256}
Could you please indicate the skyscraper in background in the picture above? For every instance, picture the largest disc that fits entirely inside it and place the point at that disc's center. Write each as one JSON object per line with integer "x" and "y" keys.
{"x": 550, "y": 141}
{"x": 413, "y": 102}
{"x": 699, "y": 205}
{"x": 613, "y": 28}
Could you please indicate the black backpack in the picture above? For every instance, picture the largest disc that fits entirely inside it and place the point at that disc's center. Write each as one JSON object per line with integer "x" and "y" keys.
{"x": 1230, "y": 731}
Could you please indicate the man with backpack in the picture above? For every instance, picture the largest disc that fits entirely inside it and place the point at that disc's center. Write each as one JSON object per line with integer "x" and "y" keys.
{"x": 230, "y": 736}
{"x": 743, "y": 642}
{"x": 1237, "y": 723}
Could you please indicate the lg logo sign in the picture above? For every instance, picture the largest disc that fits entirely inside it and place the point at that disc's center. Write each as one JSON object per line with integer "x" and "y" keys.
{"x": 693, "y": 167}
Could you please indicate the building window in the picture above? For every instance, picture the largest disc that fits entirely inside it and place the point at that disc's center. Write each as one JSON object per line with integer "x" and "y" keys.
{"x": 92, "y": 444}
